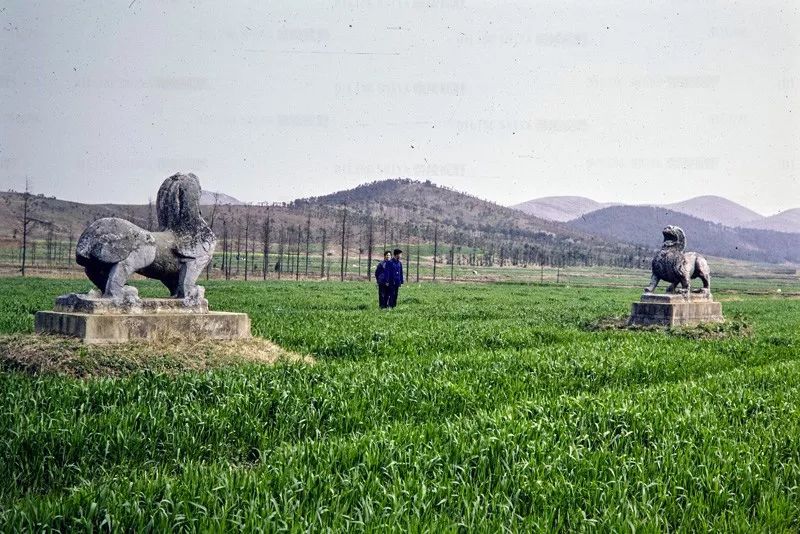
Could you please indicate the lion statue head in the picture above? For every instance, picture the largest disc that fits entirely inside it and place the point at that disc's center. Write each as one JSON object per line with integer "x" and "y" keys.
{"x": 178, "y": 204}
{"x": 674, "y": 238}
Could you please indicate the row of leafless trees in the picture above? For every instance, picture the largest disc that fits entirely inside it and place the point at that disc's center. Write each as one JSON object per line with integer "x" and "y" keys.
{"x": 273, "y": 241}
{"x": 270, "y": 247}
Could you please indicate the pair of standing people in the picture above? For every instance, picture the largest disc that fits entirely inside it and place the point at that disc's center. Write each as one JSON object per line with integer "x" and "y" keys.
{"x": 389, "y": 276}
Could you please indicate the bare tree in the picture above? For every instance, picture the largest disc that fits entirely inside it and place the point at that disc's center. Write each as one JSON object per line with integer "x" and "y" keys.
{"x": 289, "y": 252}
{"x": 238, "y": 245}
{"x": 253, "y": 255}
{"x": 418, "y": 245}
{"x": 150, "y": 214}
{"x": 435, "y": 248}
{"x": 26, "y": 222}
{"x": 279, "y": 264}
{"x": 246, "y": 239}
{"x": 344, "y": 236}
{"x": 370, "y": 245}
{"x": 286, "y": 262}
{"x": 408, "y": 242}
{"x": 50, "y": 245}
{"x": 226, "y": 257}
{"x": 265, "y": 239}
{"x": 210, "y": 225}
{"x": 69, "y": 249}
{"x": 452, "y": 260}
{"x": 322, "y": 270}
{"x": 308, "y": 241}
{"x": 297, "y": 257}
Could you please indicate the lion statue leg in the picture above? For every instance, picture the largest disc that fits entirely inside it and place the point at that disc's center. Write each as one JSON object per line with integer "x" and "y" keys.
{"x": 190, "y": 271}
{"x": 706, "y": 279}
{"x": 120, "y": 272}
{"x": 653, "y": 283}
{"x": 187, "y": 281}
{"x": 702, "y": 272}
{"x": 684, "y": 283}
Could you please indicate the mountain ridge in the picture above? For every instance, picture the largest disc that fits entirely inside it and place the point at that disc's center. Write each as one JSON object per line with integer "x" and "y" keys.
{"x": 560, "y": 208}
{"x": 716, "y": 209}
{"x": 783, "y": 221}
{"x": 209, "y": 198}
{"x": 641, "y": 225}
{"x": 712, "y": 208}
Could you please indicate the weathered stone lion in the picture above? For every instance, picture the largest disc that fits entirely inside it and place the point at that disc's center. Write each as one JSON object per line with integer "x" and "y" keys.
{"x": 112, "y": 249}
{"x": 676, "y": 266}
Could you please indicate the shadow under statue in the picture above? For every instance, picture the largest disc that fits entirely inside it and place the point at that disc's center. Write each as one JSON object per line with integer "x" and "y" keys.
{"x": 111, "y": 250}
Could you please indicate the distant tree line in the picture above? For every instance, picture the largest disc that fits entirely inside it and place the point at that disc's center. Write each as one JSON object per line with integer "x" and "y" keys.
{"x": 308, "y": 238}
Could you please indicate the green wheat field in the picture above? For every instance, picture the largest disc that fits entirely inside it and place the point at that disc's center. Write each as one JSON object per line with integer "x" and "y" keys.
{"x": 470, "y": 407}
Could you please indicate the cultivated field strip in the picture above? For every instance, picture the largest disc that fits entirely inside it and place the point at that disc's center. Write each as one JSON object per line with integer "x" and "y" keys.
{"x": 485, "y": 407}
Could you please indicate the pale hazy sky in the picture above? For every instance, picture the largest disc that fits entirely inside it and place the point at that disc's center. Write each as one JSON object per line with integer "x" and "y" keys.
{"x": 628, "y": 101}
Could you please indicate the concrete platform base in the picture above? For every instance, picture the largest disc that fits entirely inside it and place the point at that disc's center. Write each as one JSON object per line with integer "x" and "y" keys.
{"x": 675, "y": 309}
{"x": 119, "y": 328}
{"x": 95, "y": 303}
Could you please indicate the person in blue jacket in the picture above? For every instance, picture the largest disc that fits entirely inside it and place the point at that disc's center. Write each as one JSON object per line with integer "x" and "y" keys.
{"x": 394, "y": 270}
{"x": 382, "y": 280}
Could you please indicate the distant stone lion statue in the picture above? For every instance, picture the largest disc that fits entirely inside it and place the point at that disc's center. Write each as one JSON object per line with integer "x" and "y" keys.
{"x": 676, "y": 266}
{"x": 112, "y": 249}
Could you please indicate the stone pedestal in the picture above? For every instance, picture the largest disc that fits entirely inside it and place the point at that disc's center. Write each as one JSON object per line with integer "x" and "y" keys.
{"x": 675, "y": 309}
{"x": 94, "y": 303}
{"x": 94, "y": 319}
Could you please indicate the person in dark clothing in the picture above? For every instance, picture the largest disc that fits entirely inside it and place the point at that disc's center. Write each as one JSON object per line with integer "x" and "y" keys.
{"x": 394, "y": 269}
{"x": 382, "y": 280}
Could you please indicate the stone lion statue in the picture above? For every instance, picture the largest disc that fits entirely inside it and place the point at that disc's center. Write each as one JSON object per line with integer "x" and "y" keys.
{"x": 676, "y": 266}
{"x": 112, "y": 249}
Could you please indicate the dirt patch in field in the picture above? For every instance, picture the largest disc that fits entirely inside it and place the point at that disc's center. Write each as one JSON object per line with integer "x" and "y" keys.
{"x": 51, "y": 354}
{"x": 732, "y": 327}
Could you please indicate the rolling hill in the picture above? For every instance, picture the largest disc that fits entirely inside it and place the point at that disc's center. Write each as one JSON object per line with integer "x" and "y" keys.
{"x": 711, "y": 208}
{"x": 66, "y": 217}
{"x": 718, "y": 210}
{"x": 564, "y": 208}
{"x": 464, "y": 219}
{"x": 63, "y": 216}
{"x": 423, "y": 202}
{"x": 785, "y": 221}
{"x": 209, "y": 198}
{"x": 642, "y": 225}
